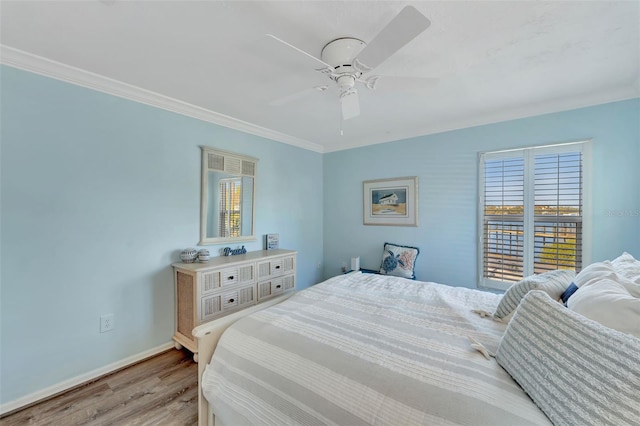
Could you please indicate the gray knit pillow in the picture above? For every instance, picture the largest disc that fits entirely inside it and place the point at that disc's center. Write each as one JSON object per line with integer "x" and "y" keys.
{"x": 576, "y": 370}
{"x": 552, "y": 282}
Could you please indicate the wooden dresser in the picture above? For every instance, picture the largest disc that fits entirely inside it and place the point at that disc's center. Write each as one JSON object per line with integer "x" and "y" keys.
{"x": 226, "y": 284}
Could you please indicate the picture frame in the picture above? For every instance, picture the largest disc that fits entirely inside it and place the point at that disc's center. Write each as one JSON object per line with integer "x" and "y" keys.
{"x": 272, "y": 241}
{"x": 391, "y": 202}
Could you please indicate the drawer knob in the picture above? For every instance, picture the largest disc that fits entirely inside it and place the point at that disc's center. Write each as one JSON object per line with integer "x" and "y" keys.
{"x": 231, "y": 300}
{"x": 278, "y": 267}
{"x": 230, "y": 277}
{"x": 278, "y": 286}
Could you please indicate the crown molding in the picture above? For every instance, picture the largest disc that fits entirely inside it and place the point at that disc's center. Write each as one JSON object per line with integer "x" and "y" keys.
{"x": 619, "y": 94}
{"x": 39, "y": 65}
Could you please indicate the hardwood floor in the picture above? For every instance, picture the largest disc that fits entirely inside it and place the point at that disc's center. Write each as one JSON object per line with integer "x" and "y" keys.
{"x": 162, "y": 390}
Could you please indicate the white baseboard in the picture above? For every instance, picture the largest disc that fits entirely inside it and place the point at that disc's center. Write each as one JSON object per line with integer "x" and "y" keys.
{"x": 83, "y": 378}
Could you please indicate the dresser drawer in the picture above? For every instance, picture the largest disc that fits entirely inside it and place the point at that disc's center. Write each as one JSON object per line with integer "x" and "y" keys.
{"x": 210, "y": 307}
{"x": 288, "y": 264}
{"x": 276, "y": 267}
{"x": 240, "y": 297}
{"x": 229, "y": 300}
{"x": 213, "y": 280}
{"x": 289, "y": 282}
{"x": 210, "y": 281}
{"x": 229, "y": 277}
{"x": 275, "y": 286}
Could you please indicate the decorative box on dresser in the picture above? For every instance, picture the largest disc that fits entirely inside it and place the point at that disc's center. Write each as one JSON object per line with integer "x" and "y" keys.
{"x": 226, "y": 284}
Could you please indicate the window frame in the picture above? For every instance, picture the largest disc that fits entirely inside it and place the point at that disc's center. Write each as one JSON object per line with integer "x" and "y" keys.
{"x": 528, "y": 154}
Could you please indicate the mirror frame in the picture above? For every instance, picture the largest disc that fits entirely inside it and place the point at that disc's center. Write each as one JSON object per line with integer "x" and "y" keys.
{"x": 233, "y": 164}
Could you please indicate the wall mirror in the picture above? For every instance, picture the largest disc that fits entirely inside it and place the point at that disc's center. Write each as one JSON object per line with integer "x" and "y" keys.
{"x": 227, "y": 197}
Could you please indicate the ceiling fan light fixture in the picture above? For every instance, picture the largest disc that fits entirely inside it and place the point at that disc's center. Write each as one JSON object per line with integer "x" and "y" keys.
{"x": 350, "y": 104}
{"x": 345, "y": 60}
{"x": 346, "y": 82}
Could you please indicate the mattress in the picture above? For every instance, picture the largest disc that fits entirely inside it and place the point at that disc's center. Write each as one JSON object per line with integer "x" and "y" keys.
{"x": 363, "y": 349}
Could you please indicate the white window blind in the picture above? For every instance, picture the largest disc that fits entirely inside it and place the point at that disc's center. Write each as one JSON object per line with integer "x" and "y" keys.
{"x": 503, "y": 224}
{"x": 229, "y": 223}
{"x": 531, "y": 212}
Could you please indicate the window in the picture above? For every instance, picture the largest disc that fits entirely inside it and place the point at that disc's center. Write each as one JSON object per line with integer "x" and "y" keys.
{"x": 230, "y": 207}
{"x": 531, "y": 212}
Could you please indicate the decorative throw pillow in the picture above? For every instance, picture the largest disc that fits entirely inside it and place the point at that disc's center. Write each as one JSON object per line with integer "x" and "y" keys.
{"x": 610, "y": 303}
{"x": 399, "y": 260}
{"x": 552, "y": 282}
{"x": 576, "y": 370}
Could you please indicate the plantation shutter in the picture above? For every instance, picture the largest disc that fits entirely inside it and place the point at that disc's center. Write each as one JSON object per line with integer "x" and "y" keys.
{"x": 229, "y": 208}
{"x": 223, "y": 209}
{"x": 503, "y": 225}
{"x": 531, "y": 216}
{"x": 558, "y": 212}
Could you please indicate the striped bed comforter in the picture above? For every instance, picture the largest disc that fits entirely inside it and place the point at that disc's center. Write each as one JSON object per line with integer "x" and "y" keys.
{"x": 364, "y": 349}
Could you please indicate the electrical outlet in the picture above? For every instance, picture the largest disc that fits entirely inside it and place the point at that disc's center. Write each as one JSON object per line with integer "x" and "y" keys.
{"x": 107, "y": 323}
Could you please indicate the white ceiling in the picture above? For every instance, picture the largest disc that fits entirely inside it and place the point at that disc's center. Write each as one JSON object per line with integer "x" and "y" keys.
{"x": 495, "y": 60}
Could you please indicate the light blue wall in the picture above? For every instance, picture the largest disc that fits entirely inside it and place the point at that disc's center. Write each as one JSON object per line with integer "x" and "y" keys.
{"x": 446, "y": 165}
{"x": 99, "y": 195}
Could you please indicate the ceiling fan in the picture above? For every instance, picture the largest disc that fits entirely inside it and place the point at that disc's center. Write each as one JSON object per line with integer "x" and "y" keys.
{"x": 348, "y": 60}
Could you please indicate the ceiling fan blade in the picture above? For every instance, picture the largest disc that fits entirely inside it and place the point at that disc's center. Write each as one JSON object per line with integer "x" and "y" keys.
{"x": 386, "y": 83}
{"x": 318, "y": 62}
{"x": 298, "y": 95}
{"x": 350, "y": 104}
{"x": 406, "y": 26}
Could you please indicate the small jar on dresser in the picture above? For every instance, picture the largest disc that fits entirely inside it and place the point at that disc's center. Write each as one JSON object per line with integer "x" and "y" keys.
{"x": 226, "y": 284}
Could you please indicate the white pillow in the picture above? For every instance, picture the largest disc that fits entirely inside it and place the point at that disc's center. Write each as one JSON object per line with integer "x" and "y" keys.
{"x": 609, "y": 302}
{"x": 628, "y": 267}
{"x": 595, "y": 272}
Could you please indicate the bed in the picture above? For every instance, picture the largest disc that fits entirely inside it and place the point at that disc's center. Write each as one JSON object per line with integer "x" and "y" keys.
{"x": 363, "y": 349}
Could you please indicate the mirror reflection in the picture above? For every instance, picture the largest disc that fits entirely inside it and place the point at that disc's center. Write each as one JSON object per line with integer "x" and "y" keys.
{"x": 230, "y": 203}
{"x": 228, "y": 193}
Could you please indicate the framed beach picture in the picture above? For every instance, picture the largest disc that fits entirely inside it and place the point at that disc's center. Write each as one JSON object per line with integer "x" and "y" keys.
{"x": 391, "y": 201}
